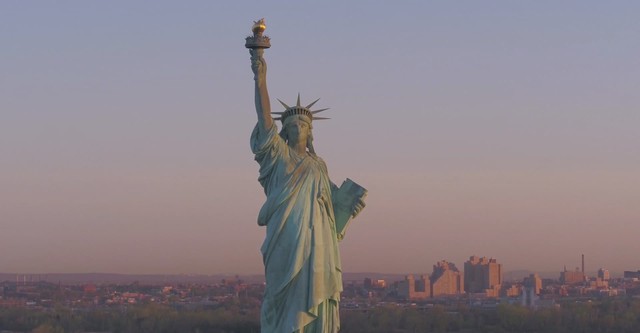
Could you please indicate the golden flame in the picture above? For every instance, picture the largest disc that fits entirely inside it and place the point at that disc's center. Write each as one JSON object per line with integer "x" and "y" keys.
{"x": 259, "y": 27}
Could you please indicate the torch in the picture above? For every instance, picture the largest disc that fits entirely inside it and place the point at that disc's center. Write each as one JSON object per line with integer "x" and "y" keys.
{"x": 258, "y": 40}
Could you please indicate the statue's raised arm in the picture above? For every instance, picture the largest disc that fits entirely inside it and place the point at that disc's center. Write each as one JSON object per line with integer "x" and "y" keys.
{"x": 256, "y": 45}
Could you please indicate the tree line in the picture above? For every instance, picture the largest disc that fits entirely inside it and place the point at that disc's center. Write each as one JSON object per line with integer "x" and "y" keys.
{"x": 614, "y": 315}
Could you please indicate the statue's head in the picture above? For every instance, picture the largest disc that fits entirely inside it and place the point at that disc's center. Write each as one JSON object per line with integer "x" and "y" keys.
{"x": 297, "y": 123}
{"x": 298, "y": 128}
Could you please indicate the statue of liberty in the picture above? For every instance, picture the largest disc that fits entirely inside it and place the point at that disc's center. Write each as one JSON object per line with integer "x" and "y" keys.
{"x": 305, "y": 214}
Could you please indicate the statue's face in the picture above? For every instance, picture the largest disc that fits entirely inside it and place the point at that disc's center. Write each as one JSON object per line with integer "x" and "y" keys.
{"x": 298, "y": 131}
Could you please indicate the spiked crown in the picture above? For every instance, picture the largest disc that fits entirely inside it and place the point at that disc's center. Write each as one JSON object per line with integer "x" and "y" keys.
{"x": 298, "y": 109}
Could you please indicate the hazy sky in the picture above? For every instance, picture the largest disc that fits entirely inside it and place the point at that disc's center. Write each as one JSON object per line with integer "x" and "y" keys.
{"x": 507, "y": 129}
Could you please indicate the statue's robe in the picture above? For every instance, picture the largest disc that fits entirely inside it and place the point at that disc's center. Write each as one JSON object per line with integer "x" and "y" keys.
{"x": 300, "y": 250}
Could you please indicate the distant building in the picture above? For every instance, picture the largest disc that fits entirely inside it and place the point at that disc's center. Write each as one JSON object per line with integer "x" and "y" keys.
{"x": 603, "y": 274}
{"x": 413, "y": 289}
{"x": 632, "y": 275}
{"x": 482, "y": 275}
{"x": 599, "y": 283}
{"x": 534, "y": 282}
{"x": 446, "y": 279}
{"x": 529, "y": 298}
{"x": 374, "y": 284}
{"x": 572, "y": 277}
{"x": 531, "y": 287}
{"x": 514, "y": 290}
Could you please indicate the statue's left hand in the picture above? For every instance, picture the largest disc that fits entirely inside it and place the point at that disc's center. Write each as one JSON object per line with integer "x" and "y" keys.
{"x": 358, "y": 207}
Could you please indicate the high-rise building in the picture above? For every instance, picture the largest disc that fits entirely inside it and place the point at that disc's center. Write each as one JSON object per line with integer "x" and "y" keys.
{"x": 482, "y": 275}
{"x": 529, "y": 298}
{"x": 413, "y": 289}
{"x": 534, "y": 282}
{"x": 572, "y": 277}
{"x": 446, "y": 279}
{"x": 603, "y": 274}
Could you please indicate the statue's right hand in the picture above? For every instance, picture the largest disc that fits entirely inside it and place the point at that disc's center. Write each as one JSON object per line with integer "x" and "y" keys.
{"x": 258, "y": 65}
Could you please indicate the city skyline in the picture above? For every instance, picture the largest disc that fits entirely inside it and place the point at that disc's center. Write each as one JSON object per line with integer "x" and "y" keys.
{"x": 502, "y": 129}
{"x": 552, "y": 274}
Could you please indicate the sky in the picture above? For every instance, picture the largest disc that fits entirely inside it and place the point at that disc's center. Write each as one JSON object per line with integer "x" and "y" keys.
{"x": 506, "y": 129}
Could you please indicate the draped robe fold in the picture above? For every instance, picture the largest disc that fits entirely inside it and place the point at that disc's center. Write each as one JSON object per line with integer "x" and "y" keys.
{"x": 300, "y": 250}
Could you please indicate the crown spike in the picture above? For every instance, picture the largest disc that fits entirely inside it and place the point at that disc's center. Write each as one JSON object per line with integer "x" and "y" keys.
{"x": 310, "y": 105}
{"x": 320, "y": 118}
{"x": 318, "y": 111}
{"x": 298, "y": 102}
{"x": 285, "y": 105}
